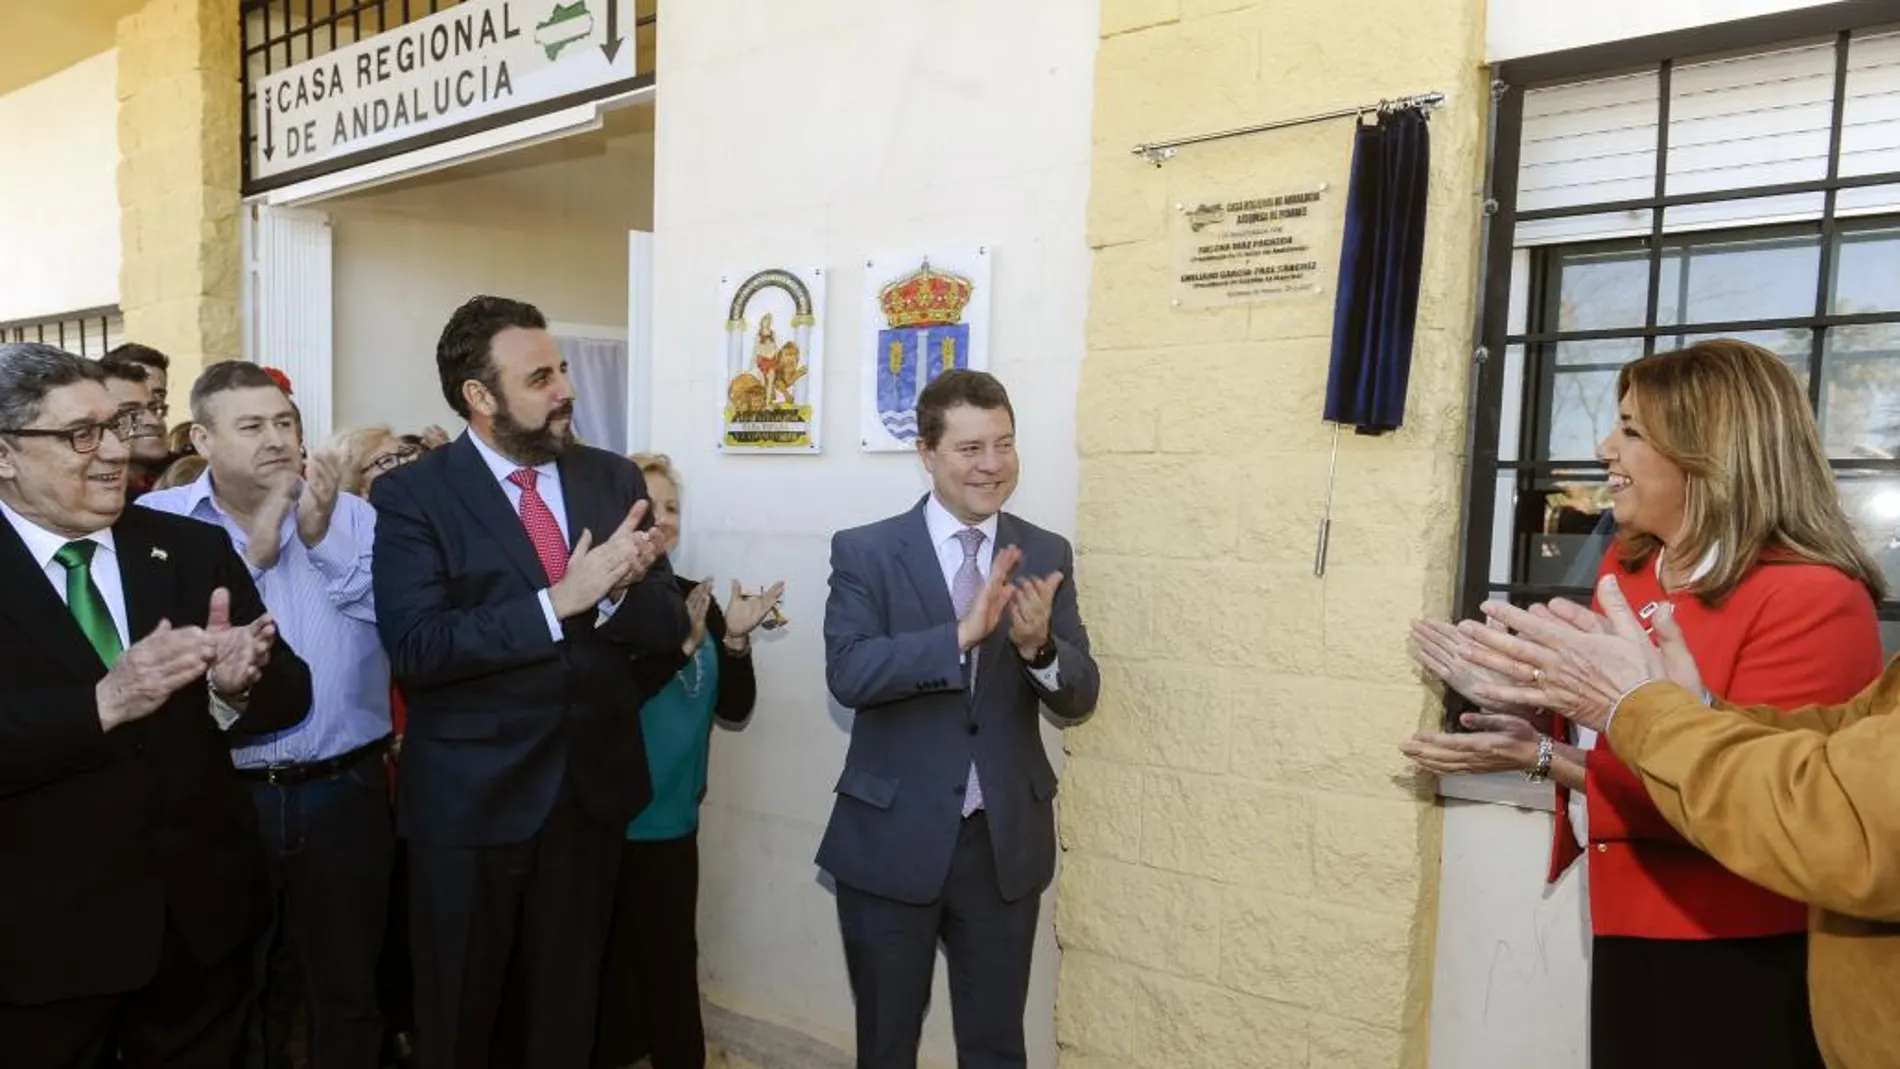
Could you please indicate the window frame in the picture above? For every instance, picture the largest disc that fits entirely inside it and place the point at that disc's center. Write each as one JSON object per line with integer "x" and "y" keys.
{"x": 73, "y": 331}
{"x": 1487, "y": 402}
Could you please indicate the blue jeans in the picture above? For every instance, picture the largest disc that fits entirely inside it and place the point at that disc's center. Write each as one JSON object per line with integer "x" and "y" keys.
{"x": 329, "y": 844}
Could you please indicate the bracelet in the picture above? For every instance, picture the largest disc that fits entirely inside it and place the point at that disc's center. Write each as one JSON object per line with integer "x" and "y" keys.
{"x": 1540, "y": 771}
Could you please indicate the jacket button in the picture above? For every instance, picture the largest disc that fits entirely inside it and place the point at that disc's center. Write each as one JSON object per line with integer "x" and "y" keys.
{"x": 1603, "y": 848}
{"x": 973, "y": 729}
{"x": 958, "y": 789}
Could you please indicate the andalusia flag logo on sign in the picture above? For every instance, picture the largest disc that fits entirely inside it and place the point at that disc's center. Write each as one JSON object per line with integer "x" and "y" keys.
{"x": 565, "y": 25}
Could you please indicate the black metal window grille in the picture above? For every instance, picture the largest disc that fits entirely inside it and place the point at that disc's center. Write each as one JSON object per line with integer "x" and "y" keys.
{"x": 88, "y": 333}
{"x": 278, "y": 34}
{"x": 1823, "y": 292}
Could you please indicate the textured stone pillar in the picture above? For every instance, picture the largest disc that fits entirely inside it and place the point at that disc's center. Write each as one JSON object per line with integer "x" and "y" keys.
{"x": 1250, "y": 877}
{"x": 179, "y": 138}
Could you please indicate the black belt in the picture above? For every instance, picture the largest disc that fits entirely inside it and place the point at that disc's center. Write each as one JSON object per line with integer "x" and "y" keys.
{"x": 293, "y": 775}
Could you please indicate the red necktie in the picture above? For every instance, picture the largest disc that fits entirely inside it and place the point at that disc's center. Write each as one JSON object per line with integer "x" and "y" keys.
{"x": 542, "y": 529}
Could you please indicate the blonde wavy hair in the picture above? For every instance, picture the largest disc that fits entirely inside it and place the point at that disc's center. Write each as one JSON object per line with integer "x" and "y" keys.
{"x": 353, "y": 446}
{"x": 1733, "y": 417}
{"x": 658, "y": 464}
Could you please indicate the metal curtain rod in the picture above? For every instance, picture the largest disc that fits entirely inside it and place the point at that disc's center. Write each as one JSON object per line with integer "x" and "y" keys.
{"x": 1160, "y": 152}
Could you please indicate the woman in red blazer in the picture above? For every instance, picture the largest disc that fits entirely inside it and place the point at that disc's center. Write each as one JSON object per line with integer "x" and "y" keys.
{"x": 1726, "y": 509}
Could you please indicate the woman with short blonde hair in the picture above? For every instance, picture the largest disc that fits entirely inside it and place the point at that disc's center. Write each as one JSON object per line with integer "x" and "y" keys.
{"x": 649, "y": 989}
{"x": 364, "y": 453}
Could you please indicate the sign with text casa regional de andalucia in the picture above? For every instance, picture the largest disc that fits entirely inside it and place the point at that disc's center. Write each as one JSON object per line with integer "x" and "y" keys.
{"x": 477, "y": 59}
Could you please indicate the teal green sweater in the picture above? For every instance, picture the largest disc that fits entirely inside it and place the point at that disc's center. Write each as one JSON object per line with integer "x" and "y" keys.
{"x": 677, "y": 724}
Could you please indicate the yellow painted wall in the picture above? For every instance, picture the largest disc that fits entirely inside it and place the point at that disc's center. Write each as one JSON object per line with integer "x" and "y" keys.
{"x": 1250, "y": 868}
{"x": 179, "y": 134}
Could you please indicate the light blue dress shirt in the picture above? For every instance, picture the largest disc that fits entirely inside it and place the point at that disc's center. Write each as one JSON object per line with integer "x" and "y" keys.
{"x": 321, "y": 598}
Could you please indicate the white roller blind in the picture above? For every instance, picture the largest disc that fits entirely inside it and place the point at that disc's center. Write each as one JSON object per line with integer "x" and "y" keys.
{"x": 290, "y": 304}
{"x": 1734, "y": 122}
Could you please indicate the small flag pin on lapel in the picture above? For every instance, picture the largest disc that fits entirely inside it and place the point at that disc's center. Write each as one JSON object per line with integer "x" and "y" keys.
{"x": 159, "y": 554}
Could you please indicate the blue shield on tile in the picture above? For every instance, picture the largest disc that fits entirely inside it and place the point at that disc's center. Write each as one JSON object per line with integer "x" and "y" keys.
{"x": 907, "y": 360}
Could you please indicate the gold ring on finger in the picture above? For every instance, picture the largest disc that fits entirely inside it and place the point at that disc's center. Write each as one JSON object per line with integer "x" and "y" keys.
{"x": 1537, "y": 676}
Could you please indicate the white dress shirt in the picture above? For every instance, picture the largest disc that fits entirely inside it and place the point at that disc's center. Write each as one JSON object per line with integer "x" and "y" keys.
{"x": 944, "y": 529}
{"x": 42, "y": 544}
{"x": 548, "y": 485}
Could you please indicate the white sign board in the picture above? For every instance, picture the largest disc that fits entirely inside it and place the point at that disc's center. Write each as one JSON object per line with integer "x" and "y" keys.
{"x": 476, "y": 59}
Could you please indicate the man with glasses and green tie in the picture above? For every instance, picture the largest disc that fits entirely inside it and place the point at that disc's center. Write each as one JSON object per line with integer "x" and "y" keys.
{"x": 134, "y": 648}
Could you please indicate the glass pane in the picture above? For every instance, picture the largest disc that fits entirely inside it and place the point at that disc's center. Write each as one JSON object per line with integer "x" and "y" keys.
{"x": 1593, "y": 290}
{"x": 1870, "y": 119}
{"x": 1860, "y": 391}
{"x": 1794, "y": 344}
{"x": 1753, "y": 120}
{"x": 1511, "y": 407}
{"x": 1589, "y": 142}
{"x": 1601, "y": 226}
{"x": 1872, "y": 502}
{"x": 1750, "y": 211}
{"x": 1582, "y": 406}
{"x": 1562, "y": 526}
{"x": 1871, "y": 200}
{"x": 1725, "y": 281}
{"x": 1867, "y": 272}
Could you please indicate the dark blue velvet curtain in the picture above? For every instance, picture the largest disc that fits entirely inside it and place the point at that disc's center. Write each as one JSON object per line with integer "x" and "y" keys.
{"x": 1379, "y": 273}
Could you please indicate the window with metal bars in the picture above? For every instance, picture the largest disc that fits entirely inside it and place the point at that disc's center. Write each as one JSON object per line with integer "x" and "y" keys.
{"x": 277, "y": 34}
{"x": 1674, "y": 197}
{"x": 89, "y": 333}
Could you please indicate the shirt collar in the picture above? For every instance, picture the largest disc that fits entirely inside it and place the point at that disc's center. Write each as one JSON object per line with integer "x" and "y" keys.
{"x": 1702, "y": 568}
{"x": 943, "y": 526}
{"x": 501, "y": 467}
{"x": 43, "y": 544}
{"x": 198, "y": 495}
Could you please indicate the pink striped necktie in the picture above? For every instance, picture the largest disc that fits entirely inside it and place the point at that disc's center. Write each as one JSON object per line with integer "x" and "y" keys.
{"x": 543, "y": 530}
{"x": 964, "y": 588}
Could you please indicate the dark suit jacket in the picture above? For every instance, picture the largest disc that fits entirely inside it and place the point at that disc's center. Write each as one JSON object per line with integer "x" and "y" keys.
{"x": 500, "y": 714}
{"x": 102, "y": 833}
{"x": 891, "y": 654}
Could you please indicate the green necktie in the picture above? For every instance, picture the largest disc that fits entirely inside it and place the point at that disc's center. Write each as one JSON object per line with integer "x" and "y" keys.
{"x": 88, "y": 606}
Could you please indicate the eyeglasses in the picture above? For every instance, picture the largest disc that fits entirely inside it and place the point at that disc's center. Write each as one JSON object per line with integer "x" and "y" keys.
{"x": 392, "y": 461}
{"x": 150, "y": 419}
{"x": 87, "y": 437}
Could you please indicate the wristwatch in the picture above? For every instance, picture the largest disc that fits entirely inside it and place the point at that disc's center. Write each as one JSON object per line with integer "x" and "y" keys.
{"x": 1540, "y": 771}
{"x": 1044, "y": 657}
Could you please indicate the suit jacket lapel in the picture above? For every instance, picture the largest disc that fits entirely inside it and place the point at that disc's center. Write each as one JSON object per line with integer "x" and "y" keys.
{"x": 145, "y": 572}
{"x": 587, "y": 509}
{"x": 919, "y": 558}
{"x": 39, "y": 610}
{"x": 476, "y": 488}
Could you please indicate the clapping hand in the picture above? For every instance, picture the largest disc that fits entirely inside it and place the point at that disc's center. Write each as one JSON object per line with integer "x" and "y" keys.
{"x": 1494, "y": 742}
{"x": 1573, "y": 662}
{"x": 316, "y": 502}
{"x": 744, "y": 612}
{"x": 262, "y": 539}
{"x": 238, "y": 654}
{"x": 697, "y": 602}
{"x": 1441, "y": 650}
{"x": 596, "y": 571}
{"x": 1030, "y": 612}
{"x": 991, "y": 602}
{"x": 153, "y": 669}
